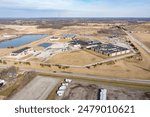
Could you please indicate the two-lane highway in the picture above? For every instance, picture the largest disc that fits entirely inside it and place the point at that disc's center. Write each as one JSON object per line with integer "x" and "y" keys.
{"x": 137, "y": 42}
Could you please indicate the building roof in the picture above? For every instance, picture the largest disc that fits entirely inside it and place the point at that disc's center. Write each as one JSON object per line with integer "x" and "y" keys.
{"x": 21, "y": 50}
{"x": 109, "y": 48}
{"x": 85, "y": 42}
{"x": 69, "y": 35}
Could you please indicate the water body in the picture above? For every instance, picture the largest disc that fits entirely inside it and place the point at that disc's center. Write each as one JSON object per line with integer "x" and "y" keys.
{"x": 21, "y": 40}
{"x": 45, "y": 45}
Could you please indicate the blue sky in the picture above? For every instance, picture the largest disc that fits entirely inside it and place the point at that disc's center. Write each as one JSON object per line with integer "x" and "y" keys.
{"x": 74, "y": 8}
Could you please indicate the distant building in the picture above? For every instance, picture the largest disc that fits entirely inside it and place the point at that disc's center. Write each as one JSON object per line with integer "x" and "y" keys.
{"x": 84, "y": 43}
{"x": 69, "y": 36}
{"x": 105, "y": 49}
{"x": 22, "y": 52}
{"x": 110, "y": 50}
{"x": 54, "y": 38}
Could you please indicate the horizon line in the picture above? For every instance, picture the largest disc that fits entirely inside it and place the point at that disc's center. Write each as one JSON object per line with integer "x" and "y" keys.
{"x": 69, "y": 17}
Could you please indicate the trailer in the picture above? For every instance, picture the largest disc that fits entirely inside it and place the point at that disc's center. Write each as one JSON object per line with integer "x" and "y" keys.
{"x": 62, "y": 87}
{"x": 68, "y": 80}
{"x": 64, "y": 84}
{"x": 60, "y": 92}
{"x": 2, "y": 83}
{"x": 102, "y": 94}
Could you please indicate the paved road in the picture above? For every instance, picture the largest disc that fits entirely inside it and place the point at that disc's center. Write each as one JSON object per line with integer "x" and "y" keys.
{"x": 137, "y": 41}
{"x": 86, "y": 76}
{"x": 112, "y": 59}
{"x": 77, "y": 66}
{"x": 38, "y": 89}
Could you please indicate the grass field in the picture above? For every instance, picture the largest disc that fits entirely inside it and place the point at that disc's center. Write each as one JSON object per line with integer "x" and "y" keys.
{"x": 74, "y": 58}
{"x": 144, "y": 38}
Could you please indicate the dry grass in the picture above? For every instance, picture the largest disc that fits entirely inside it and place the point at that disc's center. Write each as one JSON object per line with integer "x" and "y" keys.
{"x": 35, "y": 60}
{"x": 74, "y": 58}
{"x": 145, "y": 38}
{"x": 25, "y": 57}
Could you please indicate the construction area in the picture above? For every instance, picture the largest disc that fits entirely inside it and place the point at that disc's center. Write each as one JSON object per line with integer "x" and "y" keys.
{"x": 86, "y": 91}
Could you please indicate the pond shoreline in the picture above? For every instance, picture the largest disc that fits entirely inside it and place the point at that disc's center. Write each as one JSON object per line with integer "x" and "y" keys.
{"x": 26, "y": 38}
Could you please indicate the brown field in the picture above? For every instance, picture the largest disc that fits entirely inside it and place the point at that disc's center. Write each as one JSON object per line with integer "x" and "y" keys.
{"x": 121, "y": 69}
{"x": 144, "y": 38}
{"x": 74, "y": 58}
{"x": 35, "y": 60}
{"x": 143, "y": 27}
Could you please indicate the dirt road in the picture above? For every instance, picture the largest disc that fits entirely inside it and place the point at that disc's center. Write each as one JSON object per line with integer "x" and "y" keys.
{"x": 38, "y": 89}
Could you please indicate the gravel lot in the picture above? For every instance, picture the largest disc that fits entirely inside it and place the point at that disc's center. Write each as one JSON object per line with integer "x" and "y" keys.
{"x": 87, "y": 91}
{"x": 38, "y": 89}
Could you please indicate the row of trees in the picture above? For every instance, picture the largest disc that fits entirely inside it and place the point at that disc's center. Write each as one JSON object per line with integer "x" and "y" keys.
{"x": 57, "y": 65}
{"x": 3, "y": 62}
{"x": 95, "y": 65}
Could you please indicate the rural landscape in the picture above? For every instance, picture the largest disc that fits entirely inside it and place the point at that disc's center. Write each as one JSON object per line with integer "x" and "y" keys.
{"x": 75, "y": 59}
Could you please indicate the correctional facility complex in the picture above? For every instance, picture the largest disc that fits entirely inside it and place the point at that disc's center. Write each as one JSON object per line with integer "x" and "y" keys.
{"x": 105, "y": 49}
{"x": 110, "y": 49}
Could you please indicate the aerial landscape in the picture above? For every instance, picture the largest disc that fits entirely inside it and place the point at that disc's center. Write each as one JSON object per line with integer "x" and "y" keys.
{"x": 73, "y": 57}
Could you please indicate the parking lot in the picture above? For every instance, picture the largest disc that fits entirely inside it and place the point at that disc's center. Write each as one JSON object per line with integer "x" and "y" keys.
{"x": 38, "y": 89}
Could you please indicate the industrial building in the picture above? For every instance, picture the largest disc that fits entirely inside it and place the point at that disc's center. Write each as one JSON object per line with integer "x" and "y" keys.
{"x": 110, "y": 50}
{"x": 105, "y": 49}
{"x": 84, "y": 43}
{"x": 22, "y": 52}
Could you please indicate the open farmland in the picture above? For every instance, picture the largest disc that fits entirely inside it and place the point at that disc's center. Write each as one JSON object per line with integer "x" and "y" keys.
{"x": 144, "y": 38}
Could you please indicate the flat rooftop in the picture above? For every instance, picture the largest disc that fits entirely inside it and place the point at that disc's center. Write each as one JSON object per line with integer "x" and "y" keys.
{"x": 110, "y": 48}
{"x": 84, "y": 42}
{"x": 21, "y": 50}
